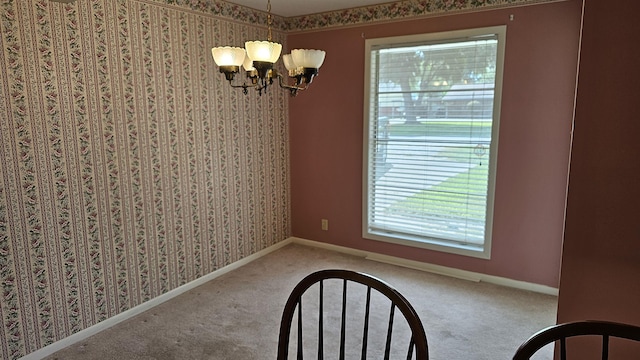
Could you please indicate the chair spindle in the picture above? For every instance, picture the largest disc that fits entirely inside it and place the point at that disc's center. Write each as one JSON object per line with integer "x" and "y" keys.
{"x": 387, "y": 349}
{"x": 300, "y": 355}
{"x": 344, "y": 320}
{"x": 365, "y": 333}
{"x": 321, "y": 323}
{"x": 605, "y": 347}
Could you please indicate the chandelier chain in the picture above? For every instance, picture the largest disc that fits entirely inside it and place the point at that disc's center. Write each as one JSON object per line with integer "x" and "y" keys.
{"x": 269, "y": 20}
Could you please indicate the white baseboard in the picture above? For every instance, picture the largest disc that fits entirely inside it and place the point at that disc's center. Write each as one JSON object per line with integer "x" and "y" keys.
{"x": 437, "y": 269}
{"x": 90, "y": 331}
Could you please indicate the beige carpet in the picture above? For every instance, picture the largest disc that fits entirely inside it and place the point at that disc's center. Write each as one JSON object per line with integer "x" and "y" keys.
{"x": 237, "y": 315}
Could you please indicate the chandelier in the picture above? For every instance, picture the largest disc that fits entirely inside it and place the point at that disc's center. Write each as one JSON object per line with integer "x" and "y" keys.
{"x": 258, "y": 58}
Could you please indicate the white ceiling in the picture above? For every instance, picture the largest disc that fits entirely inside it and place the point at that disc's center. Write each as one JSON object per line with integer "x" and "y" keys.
{"x": 288, "y": 8}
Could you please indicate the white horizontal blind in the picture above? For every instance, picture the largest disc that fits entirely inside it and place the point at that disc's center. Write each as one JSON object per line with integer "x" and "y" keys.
{"x": 430, "y": 130}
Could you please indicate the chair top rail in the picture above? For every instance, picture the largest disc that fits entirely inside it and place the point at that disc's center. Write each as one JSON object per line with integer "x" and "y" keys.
{"x": 577, "y": 328}
{"x": 370, "y": 281}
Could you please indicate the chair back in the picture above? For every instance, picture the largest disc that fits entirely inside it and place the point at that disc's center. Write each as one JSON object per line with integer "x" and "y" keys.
{"x": 561, "y": 332}
{"x": 351, "y": 295}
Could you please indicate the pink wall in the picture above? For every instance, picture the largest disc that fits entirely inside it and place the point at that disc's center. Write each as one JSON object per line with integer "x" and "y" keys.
{"x": 537, "y": 108}
{"x": 601, "y": 257}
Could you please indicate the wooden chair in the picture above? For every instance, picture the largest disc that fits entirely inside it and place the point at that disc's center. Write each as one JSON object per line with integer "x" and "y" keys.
{"x": 351, "y": 296}
{"x": 561, "y": 332}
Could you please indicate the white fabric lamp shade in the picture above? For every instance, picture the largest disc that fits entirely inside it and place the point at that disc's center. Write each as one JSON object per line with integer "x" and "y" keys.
{"x": 228, "y": 56}
{"x": 308, "y": 58}
{"x": 265, "y": 51}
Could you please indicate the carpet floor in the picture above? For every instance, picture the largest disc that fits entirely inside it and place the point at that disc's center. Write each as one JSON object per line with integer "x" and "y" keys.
{"x": 237, "y": 315}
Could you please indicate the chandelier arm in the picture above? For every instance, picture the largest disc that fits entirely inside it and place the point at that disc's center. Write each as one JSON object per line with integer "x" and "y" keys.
{"x": 292, "y": 88}
{"x": 260, "y": 89}
{"x": 244, "y": 87}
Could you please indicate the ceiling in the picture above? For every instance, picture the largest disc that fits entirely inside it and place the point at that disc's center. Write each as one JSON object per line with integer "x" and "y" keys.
{"x": 288, "y": 8}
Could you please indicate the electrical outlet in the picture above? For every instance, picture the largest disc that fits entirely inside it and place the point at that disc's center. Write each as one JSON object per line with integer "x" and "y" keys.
{"x": 325, "y": 224}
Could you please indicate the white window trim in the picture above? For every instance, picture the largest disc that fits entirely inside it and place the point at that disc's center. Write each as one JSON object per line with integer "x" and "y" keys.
{"x": 438, "y": 245}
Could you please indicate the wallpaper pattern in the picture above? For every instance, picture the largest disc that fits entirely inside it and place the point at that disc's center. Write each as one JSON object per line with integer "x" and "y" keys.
{"x": 396, "y": 10}
{"x": 128, "y": 166}
{"x": 387, "y": 11}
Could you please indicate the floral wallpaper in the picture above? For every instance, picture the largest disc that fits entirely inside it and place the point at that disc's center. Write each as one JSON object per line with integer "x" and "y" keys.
{"x": 129, "y": 166}
{"x": 387, "y": 11}
{"x": 396, "y": 10}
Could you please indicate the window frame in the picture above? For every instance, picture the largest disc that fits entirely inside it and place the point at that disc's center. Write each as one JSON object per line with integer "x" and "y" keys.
{"x": 483, "y": 252}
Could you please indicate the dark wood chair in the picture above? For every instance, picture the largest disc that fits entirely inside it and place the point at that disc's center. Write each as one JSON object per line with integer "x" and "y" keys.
{"x": 356, "y": 295}
{"x": 561, "y": 332}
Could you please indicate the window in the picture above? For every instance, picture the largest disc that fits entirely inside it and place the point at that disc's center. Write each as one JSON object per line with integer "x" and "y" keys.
{"x": 432, "y": 108}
